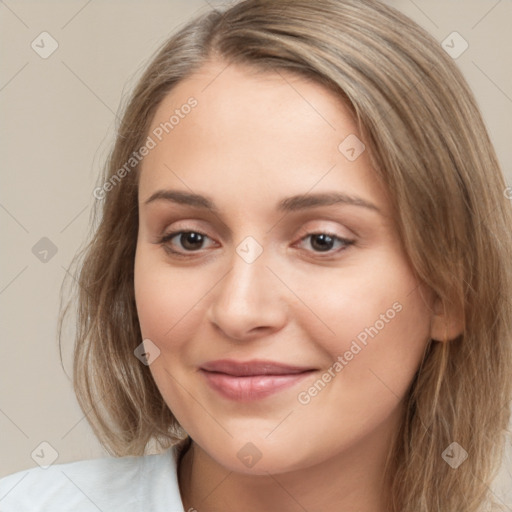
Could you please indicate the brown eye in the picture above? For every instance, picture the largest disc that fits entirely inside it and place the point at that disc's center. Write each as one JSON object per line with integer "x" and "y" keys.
{"x": 326, "y": 242}
{"x": 322, "y": 242}
{"x": 182, "y": 242}
{"x": 190, "y": 240}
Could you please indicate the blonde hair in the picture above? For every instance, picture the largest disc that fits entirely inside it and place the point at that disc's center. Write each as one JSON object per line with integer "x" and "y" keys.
{"x": 429, "y": 146}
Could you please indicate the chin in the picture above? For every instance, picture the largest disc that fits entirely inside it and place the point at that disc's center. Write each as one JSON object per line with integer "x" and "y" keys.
{"x": 260, "y": 457}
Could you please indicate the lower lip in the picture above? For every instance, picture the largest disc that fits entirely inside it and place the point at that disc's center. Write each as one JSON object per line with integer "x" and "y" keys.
{"x": 255, "y": 387}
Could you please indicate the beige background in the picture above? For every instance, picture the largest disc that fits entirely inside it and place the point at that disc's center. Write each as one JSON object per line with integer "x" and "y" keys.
{"x": 58, "y": 122}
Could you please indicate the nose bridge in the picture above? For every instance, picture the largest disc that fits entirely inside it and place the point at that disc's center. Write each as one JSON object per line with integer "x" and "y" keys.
{"x": 244, "y": 283}
{"x": 248, "y": 267}
{"x": 248, "y": 295}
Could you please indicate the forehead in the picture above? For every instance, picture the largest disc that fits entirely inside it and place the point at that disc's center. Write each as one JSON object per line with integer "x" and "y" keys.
{"x": 273, "y": 130}
{"x": 222, "y": 88}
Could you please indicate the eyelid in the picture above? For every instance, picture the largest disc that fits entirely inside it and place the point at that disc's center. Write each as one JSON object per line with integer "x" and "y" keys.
{"x": 305, "y": 231}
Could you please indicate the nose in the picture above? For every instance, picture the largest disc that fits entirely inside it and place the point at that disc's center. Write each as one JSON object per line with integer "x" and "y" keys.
{"x": 249, "y": 301}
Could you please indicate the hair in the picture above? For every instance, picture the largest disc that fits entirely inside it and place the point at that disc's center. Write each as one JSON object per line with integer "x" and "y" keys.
{"x": 427, "y": 143}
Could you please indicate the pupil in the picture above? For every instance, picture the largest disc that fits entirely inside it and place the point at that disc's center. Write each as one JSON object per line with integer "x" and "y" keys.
{"x": 326, "y": 242}
{"x": 191, "y": 240}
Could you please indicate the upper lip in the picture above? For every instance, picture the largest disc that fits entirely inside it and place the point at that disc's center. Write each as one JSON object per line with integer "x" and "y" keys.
{"x": 253, "y": 367}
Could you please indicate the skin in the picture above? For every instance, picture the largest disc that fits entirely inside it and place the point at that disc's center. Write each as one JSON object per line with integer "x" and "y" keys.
{"x": 252, "y": 140}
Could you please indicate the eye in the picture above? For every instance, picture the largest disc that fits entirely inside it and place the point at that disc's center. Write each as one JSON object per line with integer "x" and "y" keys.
{"x": 194, "y": 241}
{"x": 325, "y": 242}
{"x": 190, "y": 241}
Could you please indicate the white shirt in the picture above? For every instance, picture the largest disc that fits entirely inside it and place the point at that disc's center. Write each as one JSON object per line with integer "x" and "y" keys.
{"x": 146, "y": 483}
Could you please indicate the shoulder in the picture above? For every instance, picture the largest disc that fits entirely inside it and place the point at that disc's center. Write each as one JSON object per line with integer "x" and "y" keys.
{"x": 108, "y": 484}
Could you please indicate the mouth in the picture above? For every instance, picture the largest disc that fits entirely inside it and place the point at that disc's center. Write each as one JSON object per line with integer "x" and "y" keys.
{"x": 252, "y": 380}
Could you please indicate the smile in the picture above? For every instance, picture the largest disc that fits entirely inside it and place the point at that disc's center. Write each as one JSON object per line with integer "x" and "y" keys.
{"x": 255, "y": 379}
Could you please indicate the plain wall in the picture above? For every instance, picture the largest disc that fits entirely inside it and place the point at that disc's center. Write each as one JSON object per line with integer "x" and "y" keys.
{"x": 58, "y": 122}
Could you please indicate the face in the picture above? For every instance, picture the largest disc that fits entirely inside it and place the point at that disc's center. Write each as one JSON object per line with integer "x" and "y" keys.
{"x": 264, "y": 237}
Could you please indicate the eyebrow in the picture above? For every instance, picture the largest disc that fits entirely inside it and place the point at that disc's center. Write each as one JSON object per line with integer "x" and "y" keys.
{"x": 289, "y": 204}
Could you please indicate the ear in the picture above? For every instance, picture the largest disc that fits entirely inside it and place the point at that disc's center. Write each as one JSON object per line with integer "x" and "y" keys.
{"x": 446, "y": 324}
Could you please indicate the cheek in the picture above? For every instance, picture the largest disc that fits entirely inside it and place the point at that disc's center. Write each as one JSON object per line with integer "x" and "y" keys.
{"x": 168, "y": 306}
{"x": 170, "y": 311}
{"x": 376, "y": 321}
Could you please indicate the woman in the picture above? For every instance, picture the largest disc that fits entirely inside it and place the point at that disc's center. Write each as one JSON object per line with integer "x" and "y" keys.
{"x": 300, "y": 286}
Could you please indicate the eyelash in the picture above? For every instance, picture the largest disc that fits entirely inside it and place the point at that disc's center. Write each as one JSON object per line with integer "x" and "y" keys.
{"x": 163, "y": 241}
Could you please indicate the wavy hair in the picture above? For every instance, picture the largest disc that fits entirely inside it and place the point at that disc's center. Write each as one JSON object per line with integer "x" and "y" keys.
{"x": 427, "y": 143}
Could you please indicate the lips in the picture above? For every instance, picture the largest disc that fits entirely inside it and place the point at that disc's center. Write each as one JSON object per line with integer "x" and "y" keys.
{"x": 251, "y": 380}
{"x": 254, "y": 367}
